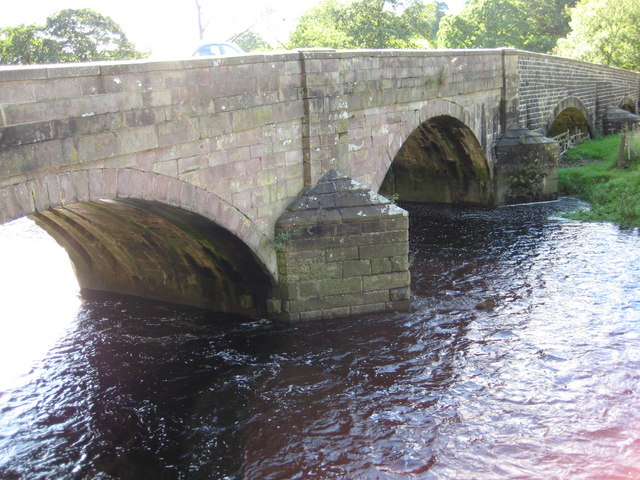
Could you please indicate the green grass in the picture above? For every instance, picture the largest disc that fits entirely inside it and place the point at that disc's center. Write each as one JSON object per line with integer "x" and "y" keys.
{"x": 614, "y": 193}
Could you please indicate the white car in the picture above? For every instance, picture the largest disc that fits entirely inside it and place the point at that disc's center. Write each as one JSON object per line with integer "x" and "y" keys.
{"x": 216, "y": 49}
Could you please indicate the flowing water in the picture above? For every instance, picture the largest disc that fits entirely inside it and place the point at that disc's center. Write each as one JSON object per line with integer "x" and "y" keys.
{"x": 520, "y": 358}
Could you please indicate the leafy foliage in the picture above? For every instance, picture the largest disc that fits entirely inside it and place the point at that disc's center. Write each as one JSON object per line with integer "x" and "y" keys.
{"x": 368, "y": 24}
{"x": 604, "y": 31}
{"x": 614, "y": 193}
{"x": 68, "y": 36}
{"x": 251, "y": 42}
{"x": 23, "y": 44}
{"x": 525, "y": 24}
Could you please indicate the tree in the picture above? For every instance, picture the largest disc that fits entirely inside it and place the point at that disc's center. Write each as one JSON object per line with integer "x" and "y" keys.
{"x": 604, "y": 31}
{"x": 23, "y": 44}
{"x": 533, "y": 25}
{"x": 67, "y": 36}
{"x": 367, "y": 24}
{"x": 84, "y": 35}
{"x": 251, "y": 42}
{"x": 201, "y": 26}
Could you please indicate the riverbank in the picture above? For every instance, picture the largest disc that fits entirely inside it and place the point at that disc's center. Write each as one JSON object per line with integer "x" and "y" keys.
{"x": 589, "y": 171}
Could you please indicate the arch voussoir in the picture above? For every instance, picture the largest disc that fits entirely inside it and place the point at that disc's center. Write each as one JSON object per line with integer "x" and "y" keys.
{"x": 66, "y": 188}
{"x": 573, "y": 103}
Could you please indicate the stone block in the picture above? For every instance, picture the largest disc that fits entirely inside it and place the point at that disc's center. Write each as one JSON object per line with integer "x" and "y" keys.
{"x": 307, "y": 289}
{"x": 24, "y": 199}
{"x": 8, "y": 203}
{"x": 386, "y": 280}
{"x": 181, "y": 131}
{"x": 399, "y": 294}
{"x": 110, "y": 183}
{"x": 53, "y": 188}
{"x": 249, "y": 118}
{"x": 367, "y": 308}
{"x": 214, "y": 125}
{"x": 308, "y": 315}
{"x": 386, "y": 250}
{"x": 381, "y": 265}
{"x": 16, "y": 92}
{"x": 274, "y": 306}
{"x": 338, "y": 253}
{"x": 286, "y": 111}
{"x": 338, "y": 312}
{"x": 94, "y": 147}
{"x": 26, "y": 134}
{"x": 81, "y": 182}
{"x": 137, "y": 139}
{"x": 38, "y": 188}
{"x": 337, "y": 286}
{"x": 356, "y": 268}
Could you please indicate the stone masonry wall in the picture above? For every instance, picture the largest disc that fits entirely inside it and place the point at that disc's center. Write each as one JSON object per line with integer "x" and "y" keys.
{"x": 364, "y": 104}
{"x": 545, "y": 81}
{"x": 231, "y": 126}
{"x": 239, "y": 139}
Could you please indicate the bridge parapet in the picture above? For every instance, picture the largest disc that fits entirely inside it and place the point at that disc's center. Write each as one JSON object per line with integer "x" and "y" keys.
{"x": 545, "y": 81}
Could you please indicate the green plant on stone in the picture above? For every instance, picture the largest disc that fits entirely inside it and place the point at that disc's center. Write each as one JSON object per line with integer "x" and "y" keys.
{"x": 281, "y": 240}
{"x": 393, "y": 197}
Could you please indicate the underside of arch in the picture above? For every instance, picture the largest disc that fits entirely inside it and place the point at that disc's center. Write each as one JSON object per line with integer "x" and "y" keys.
{"x": 442, "y": 162}
{"x": 153, "y": 250}
{"x": 571, "y": 116}
{"x": 629, "y": 105}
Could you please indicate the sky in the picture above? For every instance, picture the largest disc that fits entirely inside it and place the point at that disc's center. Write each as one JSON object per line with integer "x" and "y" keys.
{"x": 169, "y": 28}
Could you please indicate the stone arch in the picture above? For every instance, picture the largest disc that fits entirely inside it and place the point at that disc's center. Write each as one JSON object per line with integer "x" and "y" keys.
{"x": 440, "y": 161}
{"x": 141, "y": 233}
{"x": 628, "y": 104}
{"x": 569, "y": 115}
{"x": 434, "y": 108}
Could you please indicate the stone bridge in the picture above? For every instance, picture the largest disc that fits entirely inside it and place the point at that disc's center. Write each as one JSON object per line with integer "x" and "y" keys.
{"x": 251, "y": 184}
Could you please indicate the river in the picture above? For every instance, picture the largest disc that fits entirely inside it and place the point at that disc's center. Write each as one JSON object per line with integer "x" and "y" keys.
{"x": 519, "y": 359}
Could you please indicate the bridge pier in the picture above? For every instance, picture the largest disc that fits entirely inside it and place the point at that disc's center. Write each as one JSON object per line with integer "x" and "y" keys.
{"x": 526, "y": 167}
{"x": 342, "y": 251}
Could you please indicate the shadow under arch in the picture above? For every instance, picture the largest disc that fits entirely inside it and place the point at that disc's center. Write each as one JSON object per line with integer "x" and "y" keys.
{"x": 629, "y": 105}
{"x": 144, "y": 234}
{"x": 153, "y": 250}
{"x": 570, "y": 115}
{"x": 441, "y": 161}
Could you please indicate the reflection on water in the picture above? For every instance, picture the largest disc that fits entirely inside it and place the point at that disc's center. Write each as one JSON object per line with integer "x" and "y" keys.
{"x": 518, "y": 359}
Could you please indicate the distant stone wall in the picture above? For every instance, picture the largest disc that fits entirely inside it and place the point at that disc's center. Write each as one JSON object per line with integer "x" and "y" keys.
{"x": 545, "y": 81}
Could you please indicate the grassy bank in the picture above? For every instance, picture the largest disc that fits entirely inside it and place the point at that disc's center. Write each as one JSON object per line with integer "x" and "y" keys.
{"x": 613, "y": 192}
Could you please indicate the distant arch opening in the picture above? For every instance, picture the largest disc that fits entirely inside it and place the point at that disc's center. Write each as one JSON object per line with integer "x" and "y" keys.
{"x": 572, "y": 120}
{"x": 153, "y": 250}
{"x": 628, "y": 106}
{"x": 441, "y": 162}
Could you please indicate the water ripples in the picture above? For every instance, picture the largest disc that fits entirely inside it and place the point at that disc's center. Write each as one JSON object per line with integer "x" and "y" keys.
{"x": 519, "y": 359}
